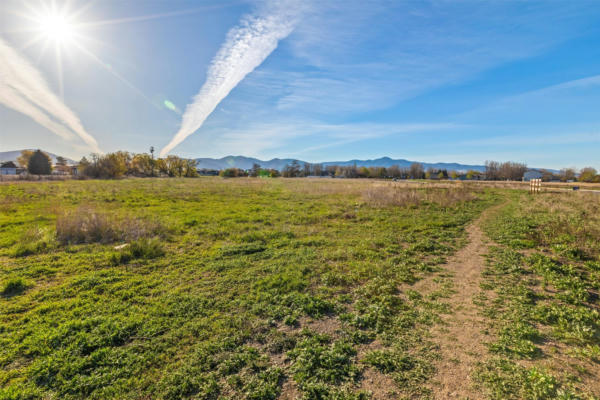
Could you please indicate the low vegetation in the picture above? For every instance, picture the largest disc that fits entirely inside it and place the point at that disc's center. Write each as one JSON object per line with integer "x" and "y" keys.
{"x": 216, "y": 288}
{"x": 255, "y": 290}
{"x": 541, "y": 299}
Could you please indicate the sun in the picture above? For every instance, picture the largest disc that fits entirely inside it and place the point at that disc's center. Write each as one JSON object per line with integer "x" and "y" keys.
{"x": 57, "y": 27}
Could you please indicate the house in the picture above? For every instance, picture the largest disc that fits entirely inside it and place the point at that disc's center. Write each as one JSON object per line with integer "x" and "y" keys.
{"x": 532, "y": 174}
{"x": 8, "y": 168}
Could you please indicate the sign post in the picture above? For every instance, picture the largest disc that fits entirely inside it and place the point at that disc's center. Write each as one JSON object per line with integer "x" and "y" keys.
{"x": 535, "y": 185}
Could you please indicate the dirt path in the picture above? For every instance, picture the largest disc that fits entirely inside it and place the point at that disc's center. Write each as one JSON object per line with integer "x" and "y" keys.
{"x": 460, "y": 336}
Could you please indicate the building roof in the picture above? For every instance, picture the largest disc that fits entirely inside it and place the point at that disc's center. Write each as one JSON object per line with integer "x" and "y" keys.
{"x": 8, "y": 164}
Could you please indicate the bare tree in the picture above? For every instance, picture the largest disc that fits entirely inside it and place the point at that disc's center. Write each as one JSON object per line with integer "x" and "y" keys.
{"x": 567, "y": 174}
{"x": 416, "y": 171}
{"x": 492, "y": 170}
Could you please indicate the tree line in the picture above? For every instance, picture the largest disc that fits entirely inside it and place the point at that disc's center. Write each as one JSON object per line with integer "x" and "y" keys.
{"x": 302, "y": 170}
{"x": 513, "y": 171}
{"x": 122, "y": 163}
{"x": 110, "y": 165}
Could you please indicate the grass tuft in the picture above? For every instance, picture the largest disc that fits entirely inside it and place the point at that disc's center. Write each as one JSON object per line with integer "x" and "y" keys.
{"x": 140, "y": 249}
{"x": 14, "y": 287}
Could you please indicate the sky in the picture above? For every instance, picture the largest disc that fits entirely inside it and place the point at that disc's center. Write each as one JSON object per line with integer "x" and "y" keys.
{"x": 433, "y": 81}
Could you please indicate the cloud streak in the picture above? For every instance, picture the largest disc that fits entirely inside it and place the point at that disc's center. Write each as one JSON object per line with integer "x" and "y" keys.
{"x": 245, "y": 48}
{"x": 23, "y": 89}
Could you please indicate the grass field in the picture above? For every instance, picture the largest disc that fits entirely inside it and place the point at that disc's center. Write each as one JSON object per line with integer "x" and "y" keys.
{"x": 292, "y": 288}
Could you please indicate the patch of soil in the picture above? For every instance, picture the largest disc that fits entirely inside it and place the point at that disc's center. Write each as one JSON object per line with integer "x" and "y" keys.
{"x": 460, "y": 336}
{"x": 381, "y": 386}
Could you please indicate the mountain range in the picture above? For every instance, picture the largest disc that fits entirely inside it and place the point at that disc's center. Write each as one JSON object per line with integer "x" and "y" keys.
{"x": 279, "y": 163}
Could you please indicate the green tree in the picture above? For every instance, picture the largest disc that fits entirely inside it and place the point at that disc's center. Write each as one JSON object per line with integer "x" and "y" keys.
{"x": 231, "y": 173}
{"x": 190, "y": 170}
{"x": 587, "y": 174}
{"x": 255, "y": 171}
{"x": 142, "y": 165}
{"x": 39, "y": 163}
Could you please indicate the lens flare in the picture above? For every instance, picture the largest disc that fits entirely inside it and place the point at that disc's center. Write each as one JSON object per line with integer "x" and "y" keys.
{"x": 170, "y": 106}
{"x": 57, "y": 27}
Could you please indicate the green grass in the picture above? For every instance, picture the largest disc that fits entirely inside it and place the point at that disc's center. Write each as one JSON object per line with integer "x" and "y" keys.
{"x": 216, "y": 292}
{"x": 542, "y": 304}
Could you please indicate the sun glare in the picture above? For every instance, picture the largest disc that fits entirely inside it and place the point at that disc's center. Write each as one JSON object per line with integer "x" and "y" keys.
{"x": 57, "y": 28}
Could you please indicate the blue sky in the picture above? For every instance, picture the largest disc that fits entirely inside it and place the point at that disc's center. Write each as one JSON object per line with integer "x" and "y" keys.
{"x": 454, "y": 81}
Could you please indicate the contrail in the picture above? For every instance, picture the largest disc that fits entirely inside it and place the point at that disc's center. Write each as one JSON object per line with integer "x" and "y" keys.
{"x": 245, "y": 48}
{"x": 23, "y": 88}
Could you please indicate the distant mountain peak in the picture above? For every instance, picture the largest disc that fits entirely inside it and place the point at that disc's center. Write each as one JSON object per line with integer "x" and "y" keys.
{"x": 243, "y": 162}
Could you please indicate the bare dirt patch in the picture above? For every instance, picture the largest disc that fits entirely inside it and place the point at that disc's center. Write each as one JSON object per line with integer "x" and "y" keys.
{"x": 381, "y": 386}
{"x": 460, "y": 336}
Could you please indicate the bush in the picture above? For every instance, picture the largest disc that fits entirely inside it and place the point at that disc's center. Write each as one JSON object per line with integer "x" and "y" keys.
{"x": 232, "y": 173}
{"x": 86, "y": 225}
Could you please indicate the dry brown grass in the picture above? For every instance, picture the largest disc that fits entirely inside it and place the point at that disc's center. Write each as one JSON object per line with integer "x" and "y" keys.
{"x": 36, "y": 178}
{"x": 395, "y": 195}
{"x": 573, "y": 215}
{"x": 88, "y": 225}
{"x": 325, "y": 186}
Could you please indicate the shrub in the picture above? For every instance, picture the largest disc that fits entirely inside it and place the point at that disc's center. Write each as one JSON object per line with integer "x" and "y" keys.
{"x": 85, "y": 225}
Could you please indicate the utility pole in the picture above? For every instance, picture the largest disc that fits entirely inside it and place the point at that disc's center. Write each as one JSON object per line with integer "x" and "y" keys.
{"x": 152, "y": 155}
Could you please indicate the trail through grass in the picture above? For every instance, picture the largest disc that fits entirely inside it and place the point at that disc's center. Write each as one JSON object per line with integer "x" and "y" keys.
{"x": 263, "y": 289}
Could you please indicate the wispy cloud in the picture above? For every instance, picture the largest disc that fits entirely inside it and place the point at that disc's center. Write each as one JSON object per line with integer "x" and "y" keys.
{"x": 370, "y": 55}
{"x": 23, "y": 89}
{"x": 245, "y": 48}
